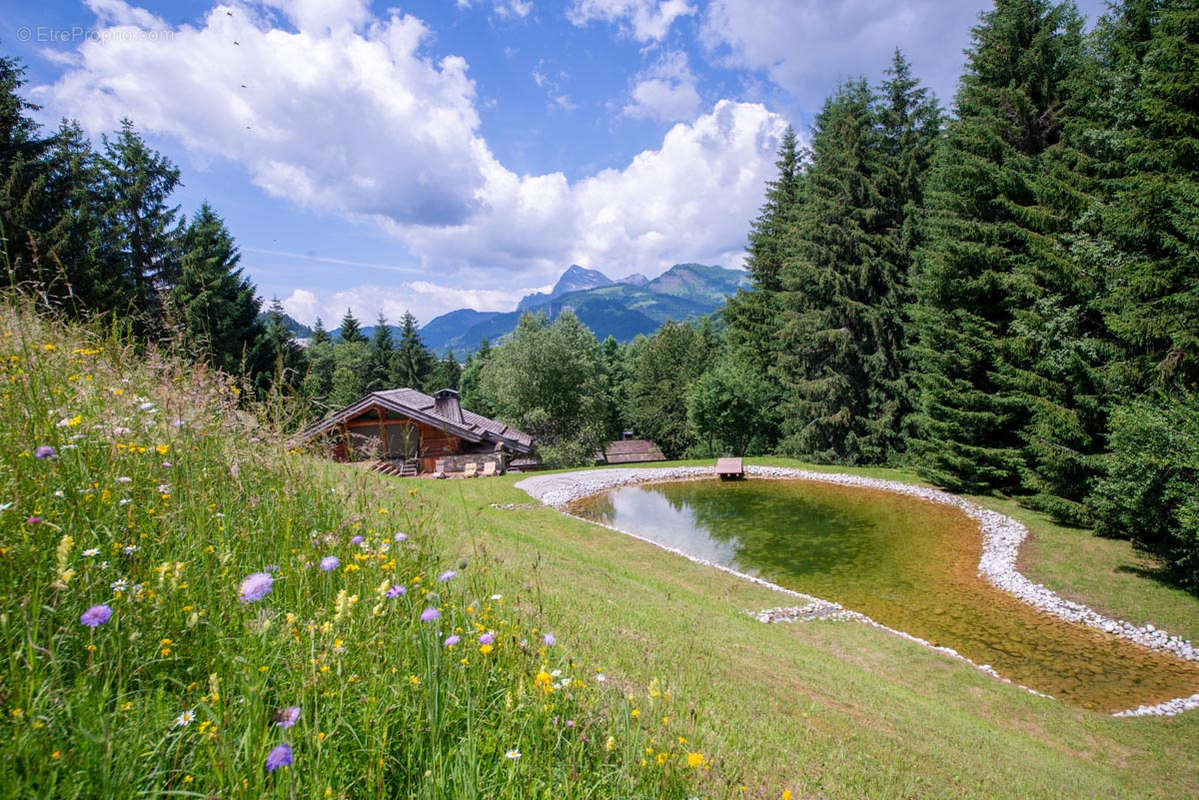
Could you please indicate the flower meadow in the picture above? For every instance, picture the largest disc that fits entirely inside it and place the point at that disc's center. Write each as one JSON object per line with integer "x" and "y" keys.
{"x": 188, "y": 608}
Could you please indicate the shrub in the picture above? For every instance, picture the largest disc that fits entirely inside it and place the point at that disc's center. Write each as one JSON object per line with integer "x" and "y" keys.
{"x": 1150, "y": 493}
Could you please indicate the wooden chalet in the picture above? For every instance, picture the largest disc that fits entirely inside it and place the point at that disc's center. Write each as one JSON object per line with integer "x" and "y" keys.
{"x": 629, "y": 451}
{"x": 415, "y": 433}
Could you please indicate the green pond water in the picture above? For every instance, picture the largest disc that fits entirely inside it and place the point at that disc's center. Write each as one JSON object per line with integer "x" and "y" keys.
{"x": 907, "y": 563}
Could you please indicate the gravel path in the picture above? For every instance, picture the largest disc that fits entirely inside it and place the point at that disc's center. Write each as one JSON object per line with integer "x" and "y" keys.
{"x": 1002, "y": 537}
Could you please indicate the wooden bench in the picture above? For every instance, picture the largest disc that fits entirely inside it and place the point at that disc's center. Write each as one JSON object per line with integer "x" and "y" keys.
{"x": 730, "y": 469}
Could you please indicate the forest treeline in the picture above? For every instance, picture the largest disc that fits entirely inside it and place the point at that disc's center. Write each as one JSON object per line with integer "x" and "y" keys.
{"x": 1003, "y": 295}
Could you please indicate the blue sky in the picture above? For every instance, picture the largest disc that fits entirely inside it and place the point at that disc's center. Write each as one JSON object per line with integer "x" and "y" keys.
{"x": 447, "y": 153}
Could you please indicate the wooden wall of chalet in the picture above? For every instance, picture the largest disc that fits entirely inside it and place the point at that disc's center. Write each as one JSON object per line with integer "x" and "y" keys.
{"x": 432, "y": 442}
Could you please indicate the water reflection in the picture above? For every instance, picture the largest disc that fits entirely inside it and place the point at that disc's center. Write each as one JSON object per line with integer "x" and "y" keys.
{"x": 909, "y": 564}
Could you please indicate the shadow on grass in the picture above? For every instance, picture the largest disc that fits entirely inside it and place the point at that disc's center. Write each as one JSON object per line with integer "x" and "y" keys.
{"x": 1160, "y": 574}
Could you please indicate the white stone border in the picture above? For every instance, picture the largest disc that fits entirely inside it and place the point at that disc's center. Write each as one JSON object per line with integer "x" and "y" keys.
{"x": 1002, "y": 537}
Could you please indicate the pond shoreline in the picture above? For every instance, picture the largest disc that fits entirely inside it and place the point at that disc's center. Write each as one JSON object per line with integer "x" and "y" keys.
{"x": 1001, "y": 540}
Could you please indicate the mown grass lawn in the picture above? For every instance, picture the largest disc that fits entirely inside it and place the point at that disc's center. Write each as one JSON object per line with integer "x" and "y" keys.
{"x": 829, "y": 709}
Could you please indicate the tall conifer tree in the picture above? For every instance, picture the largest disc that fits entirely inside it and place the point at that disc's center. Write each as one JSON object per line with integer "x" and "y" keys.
{"x": 412, "y": 365}
{"x": 382, "y": 352}
{"x": 350, "y": 329}
{"x": 989, "y": 235}
{"x": 136, "y": 188}
{"x": 214, "y": 303}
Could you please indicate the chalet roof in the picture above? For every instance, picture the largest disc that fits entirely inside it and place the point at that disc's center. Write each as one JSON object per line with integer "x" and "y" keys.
{"x": 630, "y": 451}
{"x": 423, "y": 408}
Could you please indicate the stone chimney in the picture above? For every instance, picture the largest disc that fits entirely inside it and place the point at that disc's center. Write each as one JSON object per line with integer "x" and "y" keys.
{"x": 445, "y": 404}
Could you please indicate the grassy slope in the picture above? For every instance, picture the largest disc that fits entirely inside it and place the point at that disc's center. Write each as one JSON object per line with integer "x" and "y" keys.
{"x": 831, "y": 709}
{"x": 158, "y": 501}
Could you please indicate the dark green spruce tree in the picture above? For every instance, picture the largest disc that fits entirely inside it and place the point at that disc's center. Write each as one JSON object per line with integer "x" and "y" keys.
{"x": 136, "y": 184}
{"x": 21, "y": 172}
{"x": 993, "y": 234}
{"x": 833, "y": 247}
{"x": 213, "y": 304}
{"x": 286, "y": 364}
{"x": 382, "y": 349}
{"x": 910, "y": 119}
{"x": 752, "y": 333}
{"x": 447, "y": 373}
{"x": 472, "y": 373}
{"x": 1154, "y": 219}
{"x": 412, "y": 365}
{"x": 843, "y": 363}
{"x": 350, "y": 329}
{"x": 318, "y": 381}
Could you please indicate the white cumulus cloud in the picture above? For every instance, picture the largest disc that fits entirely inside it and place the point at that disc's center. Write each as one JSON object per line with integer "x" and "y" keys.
{"x": 352, "y": 116}
{"x": 644, "y": 20}
{"x": 665, "y": 91}
{"x": 806, "y": 46}
{"x": 424, "y": 299}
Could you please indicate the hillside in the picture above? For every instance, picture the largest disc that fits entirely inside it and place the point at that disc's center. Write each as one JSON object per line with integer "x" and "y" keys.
{"x": 190, "y": 606}
{"x": 622, "y": 309}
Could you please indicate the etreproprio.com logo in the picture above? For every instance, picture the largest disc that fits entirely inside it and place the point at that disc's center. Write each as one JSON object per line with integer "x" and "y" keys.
{"x": 47, "y": 34}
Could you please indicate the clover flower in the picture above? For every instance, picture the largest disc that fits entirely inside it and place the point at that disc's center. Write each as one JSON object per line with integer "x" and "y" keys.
{"x": 329, "y": 563}
{"x": 33, "y": 520}
{"x": 255, "y": 587}
{"x": 280, "y": 756}
{"x": 43, "y": 452}
{"x": 96, "y": 616}
{"x": 429, "y": 614}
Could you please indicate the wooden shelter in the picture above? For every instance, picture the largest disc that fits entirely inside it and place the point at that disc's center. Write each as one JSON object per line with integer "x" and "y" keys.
{"x": 418, "y": 433}
{"x": 628, "y": 450}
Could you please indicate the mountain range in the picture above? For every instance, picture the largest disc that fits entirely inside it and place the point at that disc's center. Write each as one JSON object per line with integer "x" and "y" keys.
{"x": 620, "y": 308}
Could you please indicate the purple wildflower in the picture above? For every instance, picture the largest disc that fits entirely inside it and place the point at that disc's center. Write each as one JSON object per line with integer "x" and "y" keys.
{"x": 487, "y": 638}
{"x": 429, "y": 614}
{"x": 450, "y": 641}
{"x": 448, "y": 575}
{"x": 45, "y": 451}
{"x": 96, "y": 616}
{"x": 280, "y": 756}
{"x": 356, "y": 540}
{"x": 34, "y": 520}
{"x": 256, "y": 587}
{"x": 329, "y": 563}
{"x": 286, "y": 717}
{"x": 396, "y": 591}
{"x": 549, "y": 640}
{"x": 400, "y": 537}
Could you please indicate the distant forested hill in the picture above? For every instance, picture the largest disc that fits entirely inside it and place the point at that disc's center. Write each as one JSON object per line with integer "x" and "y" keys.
{"x": 621, "y": 309}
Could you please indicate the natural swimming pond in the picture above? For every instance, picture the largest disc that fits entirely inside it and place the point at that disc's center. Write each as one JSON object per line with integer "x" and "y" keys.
{"x": 906, "y": 563}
